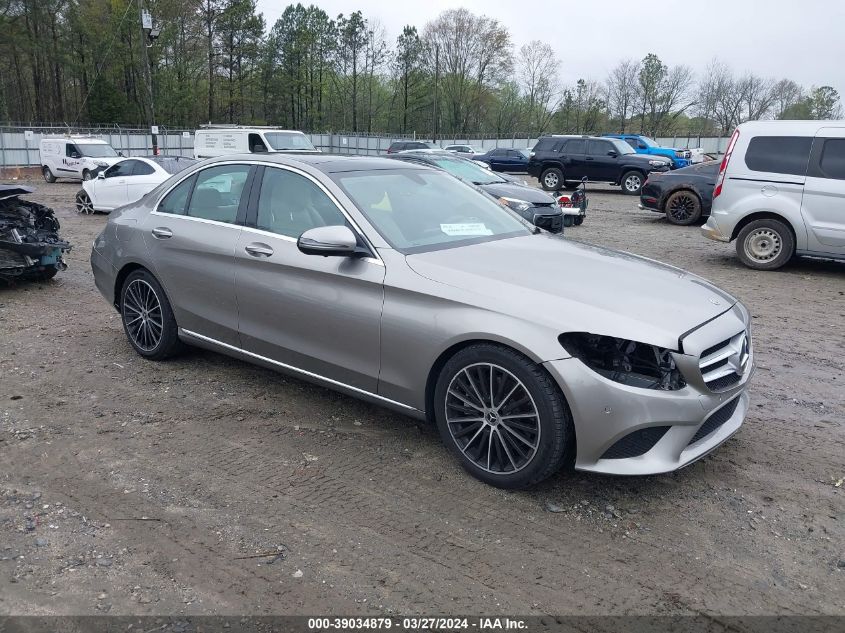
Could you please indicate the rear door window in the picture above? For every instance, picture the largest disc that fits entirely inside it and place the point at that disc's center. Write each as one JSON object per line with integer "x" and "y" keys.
{"x": 142, "y": 169}
{"x": 217, "y": 194}
{"x": 779, "y": 154}
{"x": 832, "y": 160}
{"x": 599, "y": 148}
{"x": 576, "y": 146}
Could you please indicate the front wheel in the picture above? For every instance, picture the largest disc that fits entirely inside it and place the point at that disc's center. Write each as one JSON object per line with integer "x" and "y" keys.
{"x": 147, "y": 317}
{"x": 502, "y": 416}
{"x": 632, "y": 183}
{"x": 765, "y": 244}
{"x": 84, "y": 206}
{"x": 551, "y": 179}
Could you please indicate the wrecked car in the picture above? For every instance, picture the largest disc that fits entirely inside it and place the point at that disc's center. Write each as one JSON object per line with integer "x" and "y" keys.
{"x": 30, "y": 246}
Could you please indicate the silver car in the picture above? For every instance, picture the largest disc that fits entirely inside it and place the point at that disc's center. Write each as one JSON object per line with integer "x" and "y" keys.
{"x": 401, "y": 285}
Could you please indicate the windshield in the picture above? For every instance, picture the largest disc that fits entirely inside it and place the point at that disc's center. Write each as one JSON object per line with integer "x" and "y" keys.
{"x": 417, "y": 211}
{"x": 622, "y": 147}
{"x": 525, "y": 152}
{"x": 96, "y": 150}
{"x": 648, "y": 141}
{"x": 467, "y": 170}
{"x": 281, "y": 141}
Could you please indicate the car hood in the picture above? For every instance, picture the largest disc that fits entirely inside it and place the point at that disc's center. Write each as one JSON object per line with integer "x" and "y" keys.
{"x": 577, "y": 287}
{"x": 643, "y": 158}
{"x": 519, "y": 192}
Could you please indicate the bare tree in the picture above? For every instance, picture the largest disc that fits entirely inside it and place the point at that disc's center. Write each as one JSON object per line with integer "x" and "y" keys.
{"x": 537, "y": 74}
{"x": 621, "y": 89}
{"x": 475, "y": 57}
{"x": 757, "y": 96}
{"x": 785, "y": 94}
{"x": 663, "y": 93}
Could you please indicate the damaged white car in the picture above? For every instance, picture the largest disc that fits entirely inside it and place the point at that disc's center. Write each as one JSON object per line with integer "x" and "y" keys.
{"x": 127, "y": 181}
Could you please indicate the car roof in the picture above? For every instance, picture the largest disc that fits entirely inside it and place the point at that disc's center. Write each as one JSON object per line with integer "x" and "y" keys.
{"x": 246, "y": 129}
{"x": 785, "y": 126}
{"x": 327, "y": 163}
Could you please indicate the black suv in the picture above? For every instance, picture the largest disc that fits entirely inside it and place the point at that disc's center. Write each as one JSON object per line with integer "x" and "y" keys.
{"x": 401, "y": 146}
{"x": 562, "y": 161}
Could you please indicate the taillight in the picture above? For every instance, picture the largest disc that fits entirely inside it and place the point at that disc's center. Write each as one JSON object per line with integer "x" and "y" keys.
{"x": 724, "y": 166}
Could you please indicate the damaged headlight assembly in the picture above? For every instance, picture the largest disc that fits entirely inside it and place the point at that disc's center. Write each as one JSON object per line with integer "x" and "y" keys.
{"x": 627, "y": 362}
{"x": 515, "y": 203}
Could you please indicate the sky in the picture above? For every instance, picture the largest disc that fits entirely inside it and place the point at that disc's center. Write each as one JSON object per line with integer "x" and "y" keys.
{"x": 803, "y": 40}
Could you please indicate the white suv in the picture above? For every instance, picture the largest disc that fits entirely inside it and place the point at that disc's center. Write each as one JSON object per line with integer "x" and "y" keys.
{"x": 781, "y": 192}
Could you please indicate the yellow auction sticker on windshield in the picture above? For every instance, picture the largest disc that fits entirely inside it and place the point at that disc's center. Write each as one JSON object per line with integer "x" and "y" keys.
{"x": 469, "y": 229}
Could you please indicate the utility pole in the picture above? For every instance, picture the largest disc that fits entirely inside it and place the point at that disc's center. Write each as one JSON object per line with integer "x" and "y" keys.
{"x": 150, "y": 31}
{"x": 436, "y": 79}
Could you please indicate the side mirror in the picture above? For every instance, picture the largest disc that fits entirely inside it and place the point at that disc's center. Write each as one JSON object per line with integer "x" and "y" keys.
{"x": 101, "y": 175}
{"x": 120, "y": 154}
{"x": 613, "y": 153}
{"x": 335, "y": 241}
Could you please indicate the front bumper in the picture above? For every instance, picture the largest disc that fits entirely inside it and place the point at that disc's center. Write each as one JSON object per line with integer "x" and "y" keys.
{"x": 711, "y": 230}
{"x": 669, "y": 429}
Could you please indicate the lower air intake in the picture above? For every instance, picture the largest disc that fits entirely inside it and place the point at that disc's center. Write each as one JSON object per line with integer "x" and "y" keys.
{"x": 635, "y": 444}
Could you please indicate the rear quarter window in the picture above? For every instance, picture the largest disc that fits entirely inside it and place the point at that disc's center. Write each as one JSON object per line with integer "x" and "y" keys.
{"x": 779, "y": 154}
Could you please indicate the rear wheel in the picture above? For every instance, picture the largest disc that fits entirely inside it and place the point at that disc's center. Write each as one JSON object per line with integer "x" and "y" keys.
{"x": 84, "y": 205}
{"x": 632, "y": 183}
{"x": 551, "y": 179}
{"x": 502, "y": 416}
{"x": 86, "y": 175}
{"x": 579, "y": 220}
{"x": 683, "y": 208}
{"x": 48, "y": 175}
{"x": 765, "y": 244}
{"x": 147, "y": 317}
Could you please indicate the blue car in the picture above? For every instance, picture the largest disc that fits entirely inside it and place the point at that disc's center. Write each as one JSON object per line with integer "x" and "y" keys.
{"x": 502, "y": 159}
{"x": 645, "y": 145}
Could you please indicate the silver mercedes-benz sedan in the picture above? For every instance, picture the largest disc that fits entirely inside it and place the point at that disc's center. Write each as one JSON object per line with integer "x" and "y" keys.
{"x": 401, "y": 285}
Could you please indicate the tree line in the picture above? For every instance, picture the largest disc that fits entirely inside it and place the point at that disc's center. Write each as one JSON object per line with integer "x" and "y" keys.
{"x": 87, "y": 61}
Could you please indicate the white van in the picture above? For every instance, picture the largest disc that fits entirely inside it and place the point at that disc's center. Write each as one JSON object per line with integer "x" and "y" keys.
{"x": 77, "y": 157}
{"x": 211, "y": 142}
{"x": 781, "y": 192}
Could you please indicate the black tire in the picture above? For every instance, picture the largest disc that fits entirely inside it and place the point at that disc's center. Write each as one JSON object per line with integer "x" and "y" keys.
{"x": 527, "y": 385}
{"x": 568, "y": 220}
{"x": 83, "y": 203}
{"x": 632, "y": 182}
{"x": 168, "y": 342}
{"x": 551, "y": 179}
{"x": 765, "y": 244}
{"x": 86, "y": 175}
{"x": 579, "y": 220}
{"x": 683, "y": 208}
{"x": 48, "y": 175}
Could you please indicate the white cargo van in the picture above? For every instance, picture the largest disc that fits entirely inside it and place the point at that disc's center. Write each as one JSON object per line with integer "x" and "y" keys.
{"x": 77, "y": 157}
{"x": 781, "y": 192}
{"x": 249, "y": 140}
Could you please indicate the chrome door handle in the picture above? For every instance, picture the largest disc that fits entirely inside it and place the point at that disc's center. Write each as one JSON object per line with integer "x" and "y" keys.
{"x": 162, "y": 233}
{"x": 258, "y": 250}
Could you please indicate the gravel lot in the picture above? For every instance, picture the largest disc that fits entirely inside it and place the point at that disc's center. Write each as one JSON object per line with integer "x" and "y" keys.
{"x": 131, "y": 487}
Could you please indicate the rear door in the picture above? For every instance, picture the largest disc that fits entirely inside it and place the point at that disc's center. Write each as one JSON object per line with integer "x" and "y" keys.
{"x": 143, "y": 179}
{"x": 317, "y": 314}
{"x": 574, "y": 159}
{"x": 191, "y": 236}
{"x": 823, "y": 205}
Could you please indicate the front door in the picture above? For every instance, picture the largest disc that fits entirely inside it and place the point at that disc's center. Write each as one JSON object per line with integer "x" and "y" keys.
{"x": 110, "y": 190}
{"x": 191, "y": 237}
{"x": 318, "y": 314}
{"x": 823, "y": 204}
{"x": 601, "y": 160}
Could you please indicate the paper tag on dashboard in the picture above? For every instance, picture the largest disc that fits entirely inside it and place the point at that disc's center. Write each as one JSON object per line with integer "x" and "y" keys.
{"x": 470, "y": 229}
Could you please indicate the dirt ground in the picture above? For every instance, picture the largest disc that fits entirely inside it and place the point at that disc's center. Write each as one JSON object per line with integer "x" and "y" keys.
{"x": 205, "y": 485}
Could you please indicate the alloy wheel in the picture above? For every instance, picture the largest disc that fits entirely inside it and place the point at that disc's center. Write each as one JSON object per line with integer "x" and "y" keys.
{"x": 633, "y": 183}
{"x": 142, "y": 315}
{"x": 492, "y": 418}
{"x": 682, "y": 208}
{"x": 551, "y": 180}
{"x": 84, "y": 204}
{"x": 763, "y": 245}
